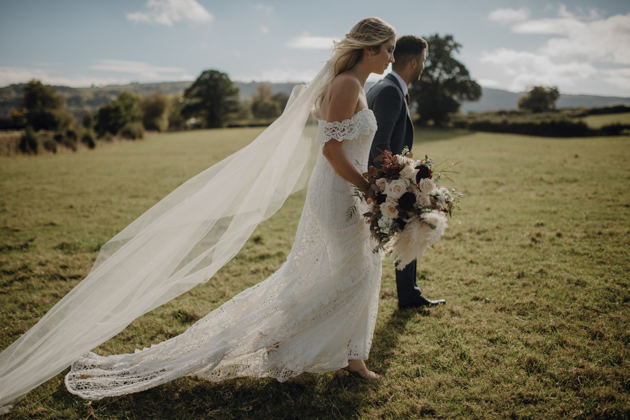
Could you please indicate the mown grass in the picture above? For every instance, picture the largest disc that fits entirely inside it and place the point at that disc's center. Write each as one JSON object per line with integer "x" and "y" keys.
{"x": 598, "y": 121}
{"x": 534, "y": 269}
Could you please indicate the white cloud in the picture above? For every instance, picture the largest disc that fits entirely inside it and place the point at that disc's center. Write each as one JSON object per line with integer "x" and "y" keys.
{"x": 617, "y": 77}
{"x": 166, "y": 12}
{"x": 578, "y": 47}
{"x": 307, "y": 42}
{"x": 259, "y": 7}
{"x": 593, "y": 37}
{"x": 528, "y": 69}
{"x": 505, "y": 16}
{"x": 280, "y": 75}
{"x": 264, "y": 29}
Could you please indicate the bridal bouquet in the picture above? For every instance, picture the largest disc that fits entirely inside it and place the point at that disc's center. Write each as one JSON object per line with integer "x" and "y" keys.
{"x": 407, "y": 210}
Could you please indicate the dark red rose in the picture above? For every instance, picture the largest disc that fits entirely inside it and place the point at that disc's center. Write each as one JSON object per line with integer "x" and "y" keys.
{"x": 406, "y": 200}
{"x": 423, "y": 173}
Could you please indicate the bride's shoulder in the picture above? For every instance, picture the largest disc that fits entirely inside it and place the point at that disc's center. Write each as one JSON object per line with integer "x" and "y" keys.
{"x": 344, "y": 96}
{"x": 345, "y": 83}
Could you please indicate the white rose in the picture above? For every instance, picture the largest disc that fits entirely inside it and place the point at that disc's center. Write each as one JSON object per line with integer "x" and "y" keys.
{"x": 389, "y": 210}
{"x": 397, "y": 187}
{"x": 391, "y": 200}
{"x": 408, "y": 171}
{"x": 426, "y": 185}
{"x": 381, "y": 183}
{"x": 423, "y": 200}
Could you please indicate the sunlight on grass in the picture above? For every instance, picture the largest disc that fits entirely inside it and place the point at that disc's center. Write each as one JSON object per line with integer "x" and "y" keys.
{"x": 534, "y": 269}
{"x": 598, "y": 121}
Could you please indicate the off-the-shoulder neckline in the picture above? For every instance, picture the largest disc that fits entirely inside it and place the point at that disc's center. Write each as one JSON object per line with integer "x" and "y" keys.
{"x": 349, "y": 119}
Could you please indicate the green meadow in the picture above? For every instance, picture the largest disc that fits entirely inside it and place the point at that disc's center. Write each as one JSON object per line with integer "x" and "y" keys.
{"x": 534, "y": 269}
{"x": 598, "y": 121}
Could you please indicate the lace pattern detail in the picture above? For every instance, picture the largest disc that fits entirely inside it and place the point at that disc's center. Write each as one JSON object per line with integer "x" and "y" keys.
{"x": 361, "y": 123}
{"x": 312, "y": 315}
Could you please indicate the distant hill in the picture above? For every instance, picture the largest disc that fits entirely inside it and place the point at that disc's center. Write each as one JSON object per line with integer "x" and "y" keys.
{"x": 495, "y": 99}
{"x": 78, "y": 100}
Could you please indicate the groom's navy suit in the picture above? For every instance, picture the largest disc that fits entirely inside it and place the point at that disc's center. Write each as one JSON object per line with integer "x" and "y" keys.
{"x": 395, "y": 131}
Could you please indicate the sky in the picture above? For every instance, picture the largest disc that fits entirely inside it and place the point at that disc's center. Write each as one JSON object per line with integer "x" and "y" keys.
{"x": 582, "y": 47}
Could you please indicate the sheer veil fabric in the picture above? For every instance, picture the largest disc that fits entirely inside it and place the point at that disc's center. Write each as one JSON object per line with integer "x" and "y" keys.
{"x": 180, "y": 242}
{"x": 317, "y": 311}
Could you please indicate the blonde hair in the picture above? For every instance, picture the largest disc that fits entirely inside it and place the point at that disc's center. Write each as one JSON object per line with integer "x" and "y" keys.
{"x": 367, "y": 33}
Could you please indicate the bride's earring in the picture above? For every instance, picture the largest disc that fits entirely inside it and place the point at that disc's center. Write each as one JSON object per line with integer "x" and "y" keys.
{"x": 369, "y": 56}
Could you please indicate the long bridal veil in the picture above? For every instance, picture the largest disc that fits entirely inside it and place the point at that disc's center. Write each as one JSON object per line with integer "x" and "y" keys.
{"x": 180, "y": 242}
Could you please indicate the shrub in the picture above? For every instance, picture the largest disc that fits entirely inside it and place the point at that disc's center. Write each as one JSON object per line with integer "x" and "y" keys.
{"x": 132, "y": 131}
{"x": 65, "y": 140}
{"x": 72, "y": 135}
{"x": 28, "y": 142}
{"x": 615, "y": 129}
{"x": 155, "y": 111}
{"x": 50, "y": 145}
{"x": 559, "y": 127}
{"x": 69, "y": 143}
{"x": 111, "y": 118}
{"x": 65, "y": 119}
{"x": 175, "y": 119}
{"x": 89, "y": 139}
{"x": 87, "y": 121}
{"x": 615, "y": 109}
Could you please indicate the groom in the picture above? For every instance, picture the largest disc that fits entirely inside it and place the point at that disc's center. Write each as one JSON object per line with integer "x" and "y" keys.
{"x": 389, "y": 99}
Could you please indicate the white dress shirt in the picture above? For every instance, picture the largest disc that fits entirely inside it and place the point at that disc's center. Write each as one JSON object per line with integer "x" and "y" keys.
{"x": 401, "y": 82}
{"x": 403, "y": 85}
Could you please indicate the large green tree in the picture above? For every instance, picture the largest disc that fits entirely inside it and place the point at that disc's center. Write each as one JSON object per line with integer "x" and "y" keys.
{"x": 210, "y": 99}
{"x": 445, "y": 82}
{"x": 44, "y": 107}
{"x": 111, "y": 118}
{"x": 539, "y": 99}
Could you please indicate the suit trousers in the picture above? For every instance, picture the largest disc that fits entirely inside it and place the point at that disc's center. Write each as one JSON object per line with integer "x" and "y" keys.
{"x": 408, "y": 290}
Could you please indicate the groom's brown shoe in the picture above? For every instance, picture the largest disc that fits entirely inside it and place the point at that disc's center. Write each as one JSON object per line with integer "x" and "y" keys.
{"x": 419, "y": 302}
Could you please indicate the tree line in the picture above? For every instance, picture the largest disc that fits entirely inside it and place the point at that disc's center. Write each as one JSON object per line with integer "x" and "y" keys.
{"x": 212, "y": 101}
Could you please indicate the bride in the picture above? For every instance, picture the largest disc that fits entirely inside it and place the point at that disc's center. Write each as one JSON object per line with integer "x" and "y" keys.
{"x": 315, "y": 314}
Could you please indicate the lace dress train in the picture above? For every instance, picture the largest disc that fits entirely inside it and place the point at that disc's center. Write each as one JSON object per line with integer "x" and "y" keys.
{"x": 312, "y": 315}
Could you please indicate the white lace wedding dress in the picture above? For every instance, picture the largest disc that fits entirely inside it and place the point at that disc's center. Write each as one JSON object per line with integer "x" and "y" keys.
{"x": 312, "y": 315}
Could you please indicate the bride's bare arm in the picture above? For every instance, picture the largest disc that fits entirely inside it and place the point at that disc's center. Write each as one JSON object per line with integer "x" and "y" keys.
{"x": 344, "y": 96}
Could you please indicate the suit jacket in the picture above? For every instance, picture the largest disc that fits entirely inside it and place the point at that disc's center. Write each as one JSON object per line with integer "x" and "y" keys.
{"x": 395, "y": 129}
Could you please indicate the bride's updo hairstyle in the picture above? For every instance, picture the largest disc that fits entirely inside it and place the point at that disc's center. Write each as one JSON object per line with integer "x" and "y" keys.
{"x": 367, "y": 33}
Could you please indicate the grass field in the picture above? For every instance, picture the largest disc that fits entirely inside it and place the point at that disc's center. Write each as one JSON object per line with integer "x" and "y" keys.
{"x": 598, "y": 121}
{"x": 534, "y": 269}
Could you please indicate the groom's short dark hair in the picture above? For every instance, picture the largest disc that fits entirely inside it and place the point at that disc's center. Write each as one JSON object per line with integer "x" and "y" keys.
{"x": 408, "y": 47}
